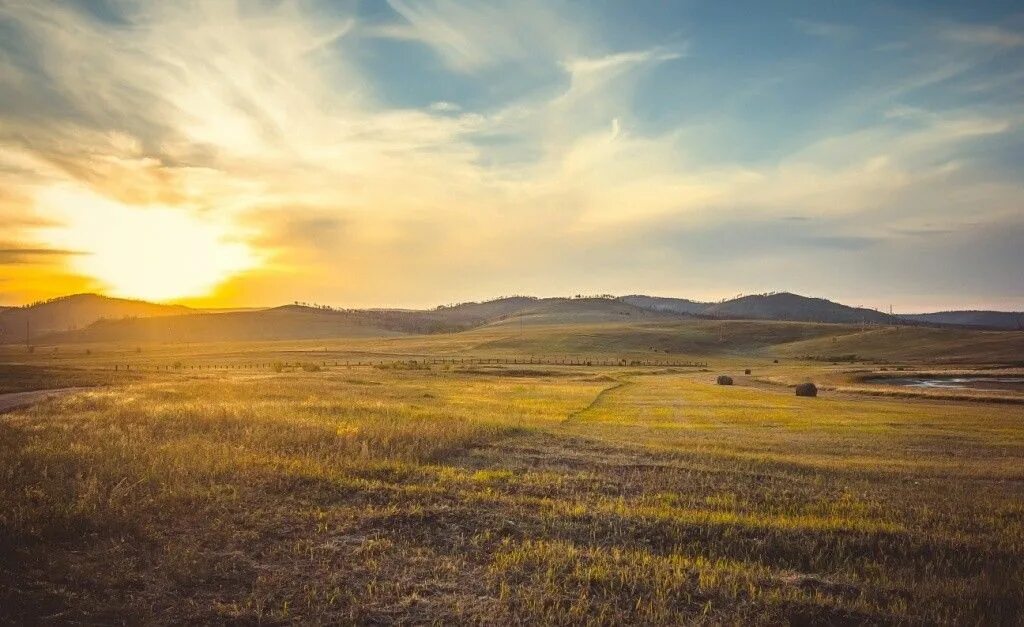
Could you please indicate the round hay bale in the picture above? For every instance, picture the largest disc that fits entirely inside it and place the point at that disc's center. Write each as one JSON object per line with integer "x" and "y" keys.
{"x": 775, "y": 361}
{"x": 724, "y": 379}
{"x": 807, "y": 389}
{"x": 747, "y": 371}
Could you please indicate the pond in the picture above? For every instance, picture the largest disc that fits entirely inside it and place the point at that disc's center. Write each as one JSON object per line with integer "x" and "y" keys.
{"x": 1015, "y": 383}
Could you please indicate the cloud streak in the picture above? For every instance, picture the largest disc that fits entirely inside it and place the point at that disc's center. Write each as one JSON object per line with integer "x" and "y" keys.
{"x": 522, "y": 136}
{"x": 9, "y": 256}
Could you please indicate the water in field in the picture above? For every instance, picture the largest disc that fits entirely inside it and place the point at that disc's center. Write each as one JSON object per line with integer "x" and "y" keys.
{"x": 1015, "y": 383}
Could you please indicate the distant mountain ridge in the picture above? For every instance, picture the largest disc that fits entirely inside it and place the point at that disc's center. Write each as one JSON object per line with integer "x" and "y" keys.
{"x": 783, "y": 306}
{"x": 95, "y": 318}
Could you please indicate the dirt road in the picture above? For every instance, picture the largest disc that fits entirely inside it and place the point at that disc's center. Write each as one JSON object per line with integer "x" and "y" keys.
{"x": 17, "y": 400}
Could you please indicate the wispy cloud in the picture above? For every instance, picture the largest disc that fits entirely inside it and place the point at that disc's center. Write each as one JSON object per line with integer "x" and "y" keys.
{"x": 985, "y": 35}
{"x": 825, "y": 30}
{"x": 267, "y": 128}
{"x": 477, "y": 35}
{"x": 445, "y": 107}
{"x": 604, "y": 65}
{"x": 10, "y": 256}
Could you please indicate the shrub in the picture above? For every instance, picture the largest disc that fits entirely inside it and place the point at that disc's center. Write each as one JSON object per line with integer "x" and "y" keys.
{"x": 412, "y": 364}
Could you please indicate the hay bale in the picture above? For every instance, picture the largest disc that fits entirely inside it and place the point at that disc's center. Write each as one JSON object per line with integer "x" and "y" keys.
{"x": 747, "y": 371}
{"x": 724, "y": 379}
{"x": 807, "y": 389}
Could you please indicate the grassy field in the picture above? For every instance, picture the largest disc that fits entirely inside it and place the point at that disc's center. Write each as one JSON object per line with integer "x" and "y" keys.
{"x": 752, "y": 341}
{"x": 261, "y": 483}
{"x": 25, "y": 378}
{"x": 924, "y": 344}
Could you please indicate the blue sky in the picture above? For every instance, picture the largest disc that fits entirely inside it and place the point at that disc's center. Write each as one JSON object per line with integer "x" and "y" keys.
{"x": 415, "y": 153}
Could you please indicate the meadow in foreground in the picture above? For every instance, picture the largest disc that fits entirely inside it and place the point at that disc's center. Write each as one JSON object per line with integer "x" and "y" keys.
{"x": 557, "y": 495}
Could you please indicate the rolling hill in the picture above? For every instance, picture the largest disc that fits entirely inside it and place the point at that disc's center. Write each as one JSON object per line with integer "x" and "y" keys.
{"x": 293, "y": 322}
{"x": 782, "y": 306}
{"x": 93, "y": 318}
{"x": 487, "y": 311}
{"x": 281, "y": 323}
{"x": 651, "y": 337}
{"x": 290, "y": 322}
{"x": 661, "y": 303}
{"x": 793, "y": 307}
{"x": 561, "y": 311}
{"x": 68, "y": 313}
{"x": 934, "y": 344}
{"x": 1008, "y": 320}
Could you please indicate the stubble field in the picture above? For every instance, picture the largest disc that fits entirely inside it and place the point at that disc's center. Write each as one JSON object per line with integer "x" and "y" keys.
{"x": 503, "y": 493}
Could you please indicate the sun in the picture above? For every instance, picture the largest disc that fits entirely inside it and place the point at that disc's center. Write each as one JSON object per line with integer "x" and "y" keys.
{"x": 153, "y": 252}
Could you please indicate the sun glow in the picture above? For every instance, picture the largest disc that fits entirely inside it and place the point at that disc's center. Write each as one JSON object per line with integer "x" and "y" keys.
{"x": 153, "y": 252}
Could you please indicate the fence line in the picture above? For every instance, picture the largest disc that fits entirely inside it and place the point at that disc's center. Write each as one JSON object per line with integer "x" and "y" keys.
{"x": 428, "y": 361}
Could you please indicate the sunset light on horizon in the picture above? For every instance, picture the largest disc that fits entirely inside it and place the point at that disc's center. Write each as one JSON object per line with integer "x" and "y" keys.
{"x": 511, "y": 312}
{"x": 419, "y": 153}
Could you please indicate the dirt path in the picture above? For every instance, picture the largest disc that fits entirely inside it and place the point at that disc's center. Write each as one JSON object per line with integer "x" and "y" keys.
{"x": 18, "y": 400}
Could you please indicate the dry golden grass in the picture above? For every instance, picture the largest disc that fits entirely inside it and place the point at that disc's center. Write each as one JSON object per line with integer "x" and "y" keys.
{"x": 923, "y": 344}
{"x": 532, "y": 495}
{"x": 22, "y": 378}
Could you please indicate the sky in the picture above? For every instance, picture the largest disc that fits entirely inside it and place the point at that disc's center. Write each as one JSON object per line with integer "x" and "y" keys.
{"x": 412, "y": 154}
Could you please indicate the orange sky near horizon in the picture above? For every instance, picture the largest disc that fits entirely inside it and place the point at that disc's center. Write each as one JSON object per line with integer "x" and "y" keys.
{"x": 399, "y": 154}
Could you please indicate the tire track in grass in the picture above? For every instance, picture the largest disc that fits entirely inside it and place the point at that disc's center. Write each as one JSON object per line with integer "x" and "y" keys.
{"x": 597, "y": 399}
